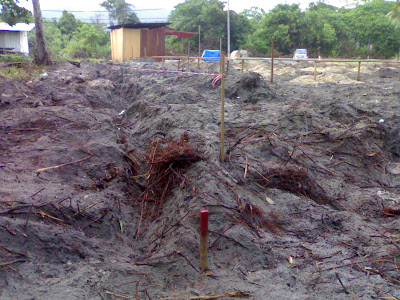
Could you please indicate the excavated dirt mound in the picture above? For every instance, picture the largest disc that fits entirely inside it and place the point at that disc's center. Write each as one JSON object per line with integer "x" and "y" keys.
{"x": 105, "y": 169}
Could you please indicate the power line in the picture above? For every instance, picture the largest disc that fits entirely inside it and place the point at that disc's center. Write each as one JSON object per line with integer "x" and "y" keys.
{"x": 102, "y": 11}
{"x": 101, "y": 19}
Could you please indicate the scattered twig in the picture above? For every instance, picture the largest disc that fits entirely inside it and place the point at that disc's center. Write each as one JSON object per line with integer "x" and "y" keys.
{"x": 341, "y": 283}
{"x": 12, "y": 262}
{"x": 137, "y": 290}
{"x": 187, "y": 259}
{"x": 118, "y": 295}
{"x": 41, "y": 190}
{"x": 238, "y": 294}
{"x": 87, "y": 207}
{"x": 58, "y": 166}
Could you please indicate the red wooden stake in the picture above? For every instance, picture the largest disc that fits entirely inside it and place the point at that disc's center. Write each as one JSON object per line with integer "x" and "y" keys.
{"x": 204, "y": 240}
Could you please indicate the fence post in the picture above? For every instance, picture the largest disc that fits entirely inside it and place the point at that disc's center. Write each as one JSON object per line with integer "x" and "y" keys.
{"x": 188, "y": 55}
{"x": 272, "y": 61}
{"x": 358, "y": 73}
{"x": 179, "y": 62}
{"x": 222, "y": 106}
{"x": 242, "y": 65}
{"x": 198, "y": 61}
{"x": 315, "y": 70}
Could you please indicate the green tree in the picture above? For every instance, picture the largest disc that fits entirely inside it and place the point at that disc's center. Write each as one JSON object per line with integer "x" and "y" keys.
{"x": 11, "y": 13}
{"x": 89, "y": 42}
{"x": 254, "y": 16}
{"x": 372, "y": 30}
{"x": 212, "y": 18}
{"x": 319, "y": 33}
{"x": 120, "y": 12}
{"x": 68, "y": 24}
{"x": 55, "y": 40}
{"x": 284, "y": 23}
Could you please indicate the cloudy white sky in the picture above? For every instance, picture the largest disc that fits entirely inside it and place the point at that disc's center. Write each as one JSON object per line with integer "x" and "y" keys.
{"x": 236, "y": 5}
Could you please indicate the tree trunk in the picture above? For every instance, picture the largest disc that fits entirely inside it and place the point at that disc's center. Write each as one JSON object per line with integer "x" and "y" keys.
{"x": 41, "y": 55}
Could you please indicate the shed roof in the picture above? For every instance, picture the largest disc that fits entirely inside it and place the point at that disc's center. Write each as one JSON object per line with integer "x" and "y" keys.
{"x": 139, "y": 25}
{"x": 17, "y": 27}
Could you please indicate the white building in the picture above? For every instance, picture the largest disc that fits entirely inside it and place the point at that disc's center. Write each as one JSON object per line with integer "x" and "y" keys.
{"x": 15, "y": 38}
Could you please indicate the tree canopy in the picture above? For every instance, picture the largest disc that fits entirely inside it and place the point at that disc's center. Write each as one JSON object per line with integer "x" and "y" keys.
{"x": 120, "y": 12}
{"x": 212, "y": 18}
{"x": 366, "y": 29}
{"x": 11, "y": 13}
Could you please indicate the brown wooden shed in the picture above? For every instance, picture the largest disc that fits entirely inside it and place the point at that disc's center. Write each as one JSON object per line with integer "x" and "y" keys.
{"x": 137, "y": 40}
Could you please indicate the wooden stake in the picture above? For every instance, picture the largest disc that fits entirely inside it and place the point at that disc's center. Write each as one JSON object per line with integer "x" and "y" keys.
{"x": 163, "y": 60}
{"x": 358, "y": 74}
{"x": 179, "y": 62}
{"x": 198, "y": 61}
{"x": 222, "y": 105}
{"x": 204, "y": 240}
{"x": 242, "y": 65}
{"x": 272, "y": 61}
{"x": 315, "y": 70}
{"x": 220, "y": 44}
{"x": 188, "y": 55}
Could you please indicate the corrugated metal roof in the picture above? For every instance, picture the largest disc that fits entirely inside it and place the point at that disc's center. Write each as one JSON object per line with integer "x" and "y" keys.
{"x": 16, "y": 27}
{"x": 140, "y": 25}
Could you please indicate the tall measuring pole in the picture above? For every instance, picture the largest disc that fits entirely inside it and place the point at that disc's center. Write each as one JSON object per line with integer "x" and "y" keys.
{"x": 229, "y": 32}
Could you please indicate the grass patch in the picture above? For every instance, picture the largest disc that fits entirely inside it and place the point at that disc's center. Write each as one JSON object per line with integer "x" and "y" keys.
{"x": 14, "y": 58}
{"x": 24, "y": 71}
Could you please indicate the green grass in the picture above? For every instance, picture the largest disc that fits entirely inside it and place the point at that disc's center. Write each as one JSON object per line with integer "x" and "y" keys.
{"x": 14, "y": 58}
{"x": 26, "y": 71}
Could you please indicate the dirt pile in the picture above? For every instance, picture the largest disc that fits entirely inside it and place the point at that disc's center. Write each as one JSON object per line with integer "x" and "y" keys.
{"x": 106, "y": 167}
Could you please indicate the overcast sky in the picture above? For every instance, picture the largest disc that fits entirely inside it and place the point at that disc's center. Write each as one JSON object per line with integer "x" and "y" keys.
{"x": 236, "y": 5}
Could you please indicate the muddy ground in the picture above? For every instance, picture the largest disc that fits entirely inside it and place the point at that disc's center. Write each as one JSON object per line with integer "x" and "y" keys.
{"x": 105, "y": 168}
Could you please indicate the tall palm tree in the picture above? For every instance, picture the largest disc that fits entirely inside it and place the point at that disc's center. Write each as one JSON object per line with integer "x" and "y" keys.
{"x": 394, "y": 14}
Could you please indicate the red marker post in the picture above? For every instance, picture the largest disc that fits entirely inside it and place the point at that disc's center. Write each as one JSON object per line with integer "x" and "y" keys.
{"x": 204, "y": 240}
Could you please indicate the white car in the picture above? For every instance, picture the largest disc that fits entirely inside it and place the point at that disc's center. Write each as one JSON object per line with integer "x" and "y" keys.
{"x": 300, "y": 54}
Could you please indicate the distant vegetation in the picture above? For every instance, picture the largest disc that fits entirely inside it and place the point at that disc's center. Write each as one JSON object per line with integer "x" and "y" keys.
{"x": 70, "y": 38}
{"x": 364, "y": 30}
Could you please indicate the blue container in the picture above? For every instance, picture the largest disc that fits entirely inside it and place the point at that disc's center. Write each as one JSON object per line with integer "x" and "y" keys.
{"x": 211, "y": 55}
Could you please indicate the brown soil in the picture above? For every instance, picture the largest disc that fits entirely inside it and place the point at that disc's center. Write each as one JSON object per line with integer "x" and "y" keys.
{"x": 105, "y": 169}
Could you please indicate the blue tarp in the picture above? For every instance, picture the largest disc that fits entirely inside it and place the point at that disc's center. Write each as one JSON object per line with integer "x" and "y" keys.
{"x": 213, "y": 55}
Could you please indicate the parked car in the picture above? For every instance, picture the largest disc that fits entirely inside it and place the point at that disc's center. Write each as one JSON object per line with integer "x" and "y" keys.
{"x": 300, "y": 54}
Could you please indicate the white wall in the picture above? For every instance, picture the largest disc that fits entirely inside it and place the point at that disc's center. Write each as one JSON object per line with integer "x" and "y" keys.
{"x": 18, "y": 40}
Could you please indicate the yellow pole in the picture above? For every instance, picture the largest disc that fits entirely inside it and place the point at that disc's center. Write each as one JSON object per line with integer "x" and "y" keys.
{"x": 222, "y": 106}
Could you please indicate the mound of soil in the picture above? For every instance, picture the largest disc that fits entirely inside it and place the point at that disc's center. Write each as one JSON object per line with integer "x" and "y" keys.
{"x": 105, "y": 169}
